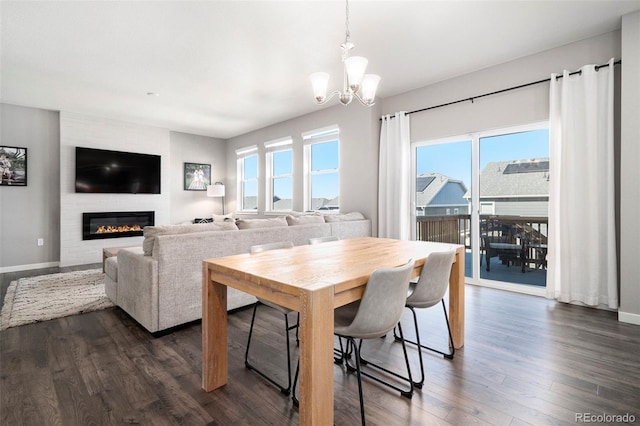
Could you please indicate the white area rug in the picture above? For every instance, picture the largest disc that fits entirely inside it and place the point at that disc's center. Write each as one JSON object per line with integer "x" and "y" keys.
{"x": 46, "y": 297}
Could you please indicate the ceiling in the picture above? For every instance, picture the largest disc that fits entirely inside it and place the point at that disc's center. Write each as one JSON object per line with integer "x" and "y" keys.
{"x": 224, "y": 68}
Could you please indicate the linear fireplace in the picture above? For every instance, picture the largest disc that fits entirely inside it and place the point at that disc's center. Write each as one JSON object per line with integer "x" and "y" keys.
{"x": 115, "y": 224}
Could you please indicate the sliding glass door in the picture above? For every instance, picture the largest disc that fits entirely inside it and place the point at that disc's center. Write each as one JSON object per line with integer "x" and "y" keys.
{"x": 442, "y": 193}
{"x": 514, "y": 206}
{"x": 490, "y": 192}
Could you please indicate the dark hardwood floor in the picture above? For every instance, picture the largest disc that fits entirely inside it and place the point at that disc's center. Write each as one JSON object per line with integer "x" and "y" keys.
{"x": 527, "y": 360}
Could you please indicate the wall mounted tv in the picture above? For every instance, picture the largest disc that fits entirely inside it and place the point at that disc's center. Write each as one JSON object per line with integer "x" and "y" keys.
{"x": 116, "y": 172}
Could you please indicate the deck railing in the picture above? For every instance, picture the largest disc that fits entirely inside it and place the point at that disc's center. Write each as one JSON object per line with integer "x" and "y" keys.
{"x": 456, "y": 229}
{"x": 453, "y": 229}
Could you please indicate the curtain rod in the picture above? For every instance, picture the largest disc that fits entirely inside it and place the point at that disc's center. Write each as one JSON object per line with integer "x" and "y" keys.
{"x": 618, "y": 62}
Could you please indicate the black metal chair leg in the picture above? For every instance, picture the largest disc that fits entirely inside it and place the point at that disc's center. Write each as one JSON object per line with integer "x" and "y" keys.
{"x": 285, "y": 390}
{"x": 359, "y": 376}
{"x": 420, "y": 383}
{"x": 448, "y": 355}
{"x": 294, "y": 398}
{"x": 408, "y": 393}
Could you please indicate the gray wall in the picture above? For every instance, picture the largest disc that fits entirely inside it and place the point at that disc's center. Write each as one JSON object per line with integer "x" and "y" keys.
{"x": 359, "y": 137}
{"x": 33, "y": 211}
{"x": 187, "y": 148}
{"x": 517, "y": 107}
{"x": 531, "y": 105}
{"x": 630, "y": 170}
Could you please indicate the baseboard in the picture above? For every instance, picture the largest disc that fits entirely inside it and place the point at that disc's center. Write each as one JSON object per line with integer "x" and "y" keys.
{"x": 531, "y": 290}
{"x": 16, "y": 268}
{"x": 629, "y": 318}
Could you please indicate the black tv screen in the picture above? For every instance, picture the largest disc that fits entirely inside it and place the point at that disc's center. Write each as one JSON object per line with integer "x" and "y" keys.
{"x": 116, "y": 172}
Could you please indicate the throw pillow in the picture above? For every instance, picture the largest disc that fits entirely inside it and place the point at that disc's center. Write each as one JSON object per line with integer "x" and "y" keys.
{"x": 229, "y": 217}
{"x": 151, "y": 232}
{"x": 343, "y": 217}
{"x": 261, "y": 223}
{"x": 304, "y": 219}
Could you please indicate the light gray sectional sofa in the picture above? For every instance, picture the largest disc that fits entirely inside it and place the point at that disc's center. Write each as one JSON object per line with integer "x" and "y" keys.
{"x": 160, "y": 283}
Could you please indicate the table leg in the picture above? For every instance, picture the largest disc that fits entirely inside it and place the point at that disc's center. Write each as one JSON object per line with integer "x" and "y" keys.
{"x": 214, "y": 333}
{"x": 316, "y": 357}
{"x": 456, "y": 299}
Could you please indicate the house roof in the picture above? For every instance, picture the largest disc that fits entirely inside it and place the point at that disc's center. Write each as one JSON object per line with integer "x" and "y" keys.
{"x": 429, "y": 185}
{"x": 515, "y": 178}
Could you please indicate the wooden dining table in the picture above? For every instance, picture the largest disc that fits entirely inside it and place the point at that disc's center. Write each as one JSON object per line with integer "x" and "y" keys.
{"x": 312, "y": 280}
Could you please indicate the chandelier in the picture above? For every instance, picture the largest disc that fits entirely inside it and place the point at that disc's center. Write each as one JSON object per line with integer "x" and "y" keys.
{"x": 357, "y": 84}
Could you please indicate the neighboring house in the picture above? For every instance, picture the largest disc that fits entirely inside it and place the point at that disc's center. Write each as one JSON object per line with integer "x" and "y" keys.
{"x": 438, "y": 195}
{"x": 282, "y": 204}
{"x": 286, "y": 204}
{"x": 515, "y": 188}
{"x": 325, "y": 204}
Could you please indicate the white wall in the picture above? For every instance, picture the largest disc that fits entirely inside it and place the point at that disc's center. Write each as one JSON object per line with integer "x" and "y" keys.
{"x": 630, "y": 171}
{"x": 187, "y": 148}
{"x": 79, "y": 130}
{"x": 359, "y": 137}
{"x": 31, "y": 212}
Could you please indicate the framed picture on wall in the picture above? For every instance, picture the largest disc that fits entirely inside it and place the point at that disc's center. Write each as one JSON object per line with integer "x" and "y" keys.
{"x": 197, "y": 176}
{"x": 13, "y": 166}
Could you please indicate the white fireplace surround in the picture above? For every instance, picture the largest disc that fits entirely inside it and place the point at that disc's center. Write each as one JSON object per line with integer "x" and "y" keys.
{"x": 80, "y": 130}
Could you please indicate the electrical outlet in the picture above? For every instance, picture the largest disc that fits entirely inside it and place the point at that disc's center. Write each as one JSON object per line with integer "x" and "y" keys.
{"x": 40, "y": 241}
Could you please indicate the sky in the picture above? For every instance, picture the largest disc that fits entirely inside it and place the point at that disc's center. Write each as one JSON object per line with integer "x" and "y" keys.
{"x": 450, "y": 159}
{"x": 454, "y": 159}
{"x": 324, "y": 156}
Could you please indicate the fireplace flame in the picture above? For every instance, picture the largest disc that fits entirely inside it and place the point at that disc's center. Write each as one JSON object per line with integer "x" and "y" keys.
{"x": 113, "y": 229}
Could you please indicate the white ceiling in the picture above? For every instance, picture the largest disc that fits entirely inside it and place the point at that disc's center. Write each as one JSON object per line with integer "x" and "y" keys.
{"x": 224, "y": 68}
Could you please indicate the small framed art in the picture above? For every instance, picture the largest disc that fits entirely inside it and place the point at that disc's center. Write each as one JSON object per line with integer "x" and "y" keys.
{"x": 13, "y": 166}
{"x": 197, "y": 176}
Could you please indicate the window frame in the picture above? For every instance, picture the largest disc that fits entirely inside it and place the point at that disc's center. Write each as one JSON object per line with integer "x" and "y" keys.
{"x": 315, "y": 137}
{"x": 271, "y": 148}
{"x": 242, "y": 154}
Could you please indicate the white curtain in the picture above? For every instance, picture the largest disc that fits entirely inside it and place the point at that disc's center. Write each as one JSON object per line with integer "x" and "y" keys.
{"x": 394, "y": 177}
{"x": 582, "y": 241}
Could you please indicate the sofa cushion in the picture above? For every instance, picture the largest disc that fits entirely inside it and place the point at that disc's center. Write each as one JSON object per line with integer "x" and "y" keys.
{"x": 304, "y": 219}
{"x": 151, "y": 232}
{"x": 229, "y": 217}
{"x": 261, "y": 223}
{"x": 343, "y": 217}
{"x": 111, "y": 267}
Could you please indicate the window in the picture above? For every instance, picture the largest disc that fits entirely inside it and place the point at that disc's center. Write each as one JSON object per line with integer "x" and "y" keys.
{"x": 247, "y": 172}
{"x": 322, "y": 169}
{"x": 279, "y": 161}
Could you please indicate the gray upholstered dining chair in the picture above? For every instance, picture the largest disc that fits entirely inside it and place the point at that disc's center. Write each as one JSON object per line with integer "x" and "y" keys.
{"x": 428, "y": 291}
{"x": 377, "y": 313}
{"x": 319, "y": 240}
{"x": 285, "y": 311}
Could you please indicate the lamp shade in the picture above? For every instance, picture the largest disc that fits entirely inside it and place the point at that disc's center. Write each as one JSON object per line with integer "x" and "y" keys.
{"x": 216, "y": 190}
{"x": 369, "y": 87}
{"x": 320, "y": 82}
{"x": 355, "y": 65}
